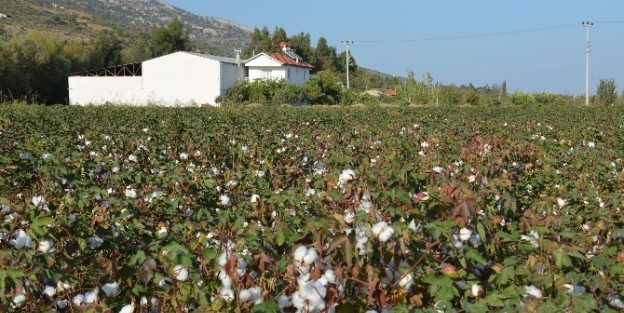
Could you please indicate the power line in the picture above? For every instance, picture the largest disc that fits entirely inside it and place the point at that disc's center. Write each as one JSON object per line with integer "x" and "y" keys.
{"x": 475, "y": 36}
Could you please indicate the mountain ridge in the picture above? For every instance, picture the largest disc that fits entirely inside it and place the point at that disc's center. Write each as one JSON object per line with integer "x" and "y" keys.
{"x": 209, "y": 34}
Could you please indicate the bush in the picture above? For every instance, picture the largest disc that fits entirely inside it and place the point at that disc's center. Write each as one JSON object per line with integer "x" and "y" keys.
{"x": 607, "y": 93}
{"x": 521, "y": 98}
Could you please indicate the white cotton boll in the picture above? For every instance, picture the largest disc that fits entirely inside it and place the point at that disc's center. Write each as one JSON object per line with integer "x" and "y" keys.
{"x": 438, "y": 169}
{"x": 310, "y": 192}
{"x": 49, "y": 291}
{"x": 533, "y": 291}
{"x": 226, "y": 280}
{"x": 18, "y": 301}
{"x": 224, "y": 200}
{"x": 183, "y": 156}
{"x": 132, "y": 158}
{"x": 561, "y": 202}
{"x": 476, "y": 290}
{"x": 95, "y": 242}
{"x": 165, "y": 281}
{"x": 472, "y": 178}
{"x": 378, "y": 228}
{"x": 143, "y": 301}
{"x": 255, "y": 198}
{"x": 162, "y": 231}
{"x": 300, "y": 253}
{"x": 424, "y": 144}
{"x": 222, "y": 259}
{"x": 21, "y": 240}
{"x": 180, "y": 272}
{"x": 407, "y": 281}
{"x": 111, "y": 289}
{"x": 382, "y": 231}
{"x": 365, "y": 206}
{"x": 127, "y": 308}
{"x": 464, "y": 234}
{"x": 412, "y": 225}
{"x": 130, "y": 193}
{"x": 39, "y": 201}
{"x": 226, "y": 294}
{"x": 63, "y": 286}
{"x": 244, "y": 295}
{"x": 62, "y": 304}
{"x": 349, "y": 217}
{"x": 283, "y": 301}
{"x": 90, "y": 296}
{"x": 347, "y": 176}
{"x": 311, "y": 256}
{"x": 386, "y": 234}
{"x": 78, "y": 299}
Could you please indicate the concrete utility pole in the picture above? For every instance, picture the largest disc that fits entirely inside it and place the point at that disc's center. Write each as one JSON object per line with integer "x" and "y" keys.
{"x": 348, "y": 42}
{"x": 587, "y": 26}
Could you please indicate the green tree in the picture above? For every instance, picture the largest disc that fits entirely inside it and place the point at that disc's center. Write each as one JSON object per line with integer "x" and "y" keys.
{"x": 279, "y": 35}
{"x": 607, "y": 93}
{"x": 325, "y": 57}
{"x": 106, "y": 51}
{"x": 164, "y": 40}
{"x": 302, "y": 45}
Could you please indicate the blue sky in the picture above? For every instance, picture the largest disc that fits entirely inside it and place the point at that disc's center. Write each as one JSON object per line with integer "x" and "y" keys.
{"x": 535, "y": 45}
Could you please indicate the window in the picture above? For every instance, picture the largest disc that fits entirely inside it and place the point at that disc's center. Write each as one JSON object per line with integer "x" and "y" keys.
{"x": 267, "y": 74}
{"x": 288, "y": 74}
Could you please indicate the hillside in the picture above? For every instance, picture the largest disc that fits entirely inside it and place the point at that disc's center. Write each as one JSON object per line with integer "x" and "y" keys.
{"x": 80, "y": 18}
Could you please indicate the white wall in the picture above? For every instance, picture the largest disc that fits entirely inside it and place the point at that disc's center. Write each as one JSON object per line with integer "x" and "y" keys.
{"x": 298, "y": 75}
{"x": 276, "y": 72}
{"x": 230, "y": 74}
{"x": 96, "y": 90}
{"x": 181, "y": 79}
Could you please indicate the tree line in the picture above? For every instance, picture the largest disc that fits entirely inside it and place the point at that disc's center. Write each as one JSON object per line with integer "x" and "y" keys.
{"x": 34, "y": 66}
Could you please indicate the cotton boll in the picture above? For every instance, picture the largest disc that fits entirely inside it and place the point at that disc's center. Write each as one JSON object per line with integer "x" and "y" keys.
{"x": 254, "y": 198}
{"x": 311, "y": 256}
{"x": 91, "y": 296}
{"x": 283, "y": 301}
{"x": 226, "y": 294}
{"x": 224, "y": 200}
{"x": 18, "y": 301}
{"x": 382, "y": 231}
{"x": 46, "y": 246}
{"x": 533, "y": 291}
{"x": 300, "y": 253}
{"x": 49, "y": 291}
{"x": 476, "y": 290}
{"x": 407, "y": 281}
{"x": 21, "y": 240}
{"x": 111, "y": 289}
{"x": 143, "y": 301}
{"x": 78, "y": 299}
{"x": 464, "y": 234}
{"x": 180, "y": 272}
{"x": 165, "y": 281}
{"x": 95, "y": 242}
{"x": 244, "y": 295}
{"x": 347, "y": 176}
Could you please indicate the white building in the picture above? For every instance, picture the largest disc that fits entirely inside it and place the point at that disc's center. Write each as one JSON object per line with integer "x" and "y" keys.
{"x": 286, "y": 65}
{"x": 177, "y": 79}
{"x": 182, "y": 78}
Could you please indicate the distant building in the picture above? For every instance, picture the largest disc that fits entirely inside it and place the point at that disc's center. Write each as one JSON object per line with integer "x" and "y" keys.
{"x": 181, "y": 78}
{"x": 286, "y": 65}
{"x": 381, "y": 91}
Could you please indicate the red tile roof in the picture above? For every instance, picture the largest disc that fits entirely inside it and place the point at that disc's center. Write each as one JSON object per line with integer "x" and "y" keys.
{"x": 286, "y": 60}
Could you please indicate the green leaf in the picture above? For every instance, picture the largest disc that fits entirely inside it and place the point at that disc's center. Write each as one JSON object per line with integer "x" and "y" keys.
{"x": 280, "y": 238}
{"x": 265, "y": 307}
{"x": 475, "y": 256}
{"x": 209, "y": 253}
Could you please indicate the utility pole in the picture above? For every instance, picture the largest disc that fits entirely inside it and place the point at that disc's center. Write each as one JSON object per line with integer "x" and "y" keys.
{"x": 587, "y": 26}
{"x": 347, "y": 42}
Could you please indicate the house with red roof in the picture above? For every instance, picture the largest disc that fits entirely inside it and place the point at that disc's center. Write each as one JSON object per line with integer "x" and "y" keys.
{"x": 286, "y": 65}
